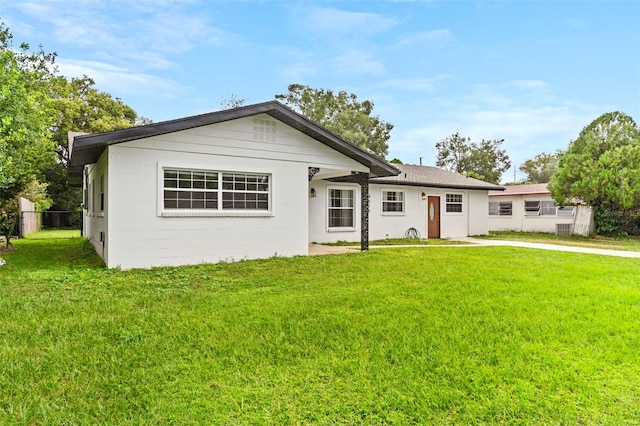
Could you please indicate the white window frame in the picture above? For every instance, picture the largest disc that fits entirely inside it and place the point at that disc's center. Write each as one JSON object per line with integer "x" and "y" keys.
{"x": 220, "y": 191}
{"x": 401, "y": 202}
{"x": 448, "y": 203}
{"x": 101, "y": 200}
{"x": 501, "y": 208}
{"x": 548, "y": 208}
{"x": 533, "y": 209}
{"x": 566, "y": 211}
{"x": 352, "y": 208}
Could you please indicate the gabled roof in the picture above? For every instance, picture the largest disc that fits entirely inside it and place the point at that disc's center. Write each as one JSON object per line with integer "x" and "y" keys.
{"x": 88, "y": 148}
{"x": 435, "y": 177}
{"x": 528, "y": 189}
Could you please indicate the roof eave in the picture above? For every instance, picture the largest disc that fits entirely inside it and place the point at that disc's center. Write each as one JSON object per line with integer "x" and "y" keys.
{"x": 88, "y": 148}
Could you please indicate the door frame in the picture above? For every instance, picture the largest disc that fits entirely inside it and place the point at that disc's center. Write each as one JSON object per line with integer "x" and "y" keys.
{"x": 433, "y": 224}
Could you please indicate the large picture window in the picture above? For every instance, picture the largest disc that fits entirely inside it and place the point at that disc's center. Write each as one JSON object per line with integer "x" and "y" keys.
{"x": 214, "y": 191}
{"x": 341, "y": 208}
{"x": 392, "y": 201}
{"x": 453, "y": 203}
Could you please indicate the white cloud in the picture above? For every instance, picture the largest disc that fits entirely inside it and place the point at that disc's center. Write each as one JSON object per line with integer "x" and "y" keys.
{"x": 427, "y": 38}
{"x": 120, "y": 80}
{"x": 493, "y": 112}
{"x": 330, "y": 22}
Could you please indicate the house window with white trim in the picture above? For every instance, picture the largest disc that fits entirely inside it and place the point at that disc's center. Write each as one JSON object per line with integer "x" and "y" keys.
{"x": 453, "y": 203}
{"x": 102, "y": 193}
{"x": 565, "y": 211}
{"x": 215, "y": 191}
{"x": 392, "y": 202}
{"x": 542, "y": 208}
{"x": 341, "y": 212}
{"x": 532, "y": 208}
{"x": 548, "y": 208}
{"x": 500, "y": 208}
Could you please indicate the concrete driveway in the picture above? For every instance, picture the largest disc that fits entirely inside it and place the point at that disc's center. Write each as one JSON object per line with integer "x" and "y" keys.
{"x": 317, "y": 249}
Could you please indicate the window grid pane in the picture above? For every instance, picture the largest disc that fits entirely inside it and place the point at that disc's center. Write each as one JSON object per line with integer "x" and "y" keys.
{"x": 548, "y": 208}
{"x": 532, "y": 208}
{"x": 494, "y": 208}
{"x": 341, "y": 211}
{"x": 199, "y": 189}
{"x": 506, "y": 208}
{"x": 453, "y": 203}
{"x": 392, "y": 201}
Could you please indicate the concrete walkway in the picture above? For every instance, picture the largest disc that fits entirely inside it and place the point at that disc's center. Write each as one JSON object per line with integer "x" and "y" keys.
{"x": 317, "y": 249}
{"x": 555, "y": 247}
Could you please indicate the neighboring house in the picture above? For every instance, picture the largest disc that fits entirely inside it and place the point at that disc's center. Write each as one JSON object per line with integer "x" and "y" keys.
{"x": 253, "y": 182}
{"x": 528, "y": 208}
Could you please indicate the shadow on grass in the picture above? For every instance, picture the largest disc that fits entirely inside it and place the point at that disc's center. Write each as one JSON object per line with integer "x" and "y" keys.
{"x": 51, "y": 254}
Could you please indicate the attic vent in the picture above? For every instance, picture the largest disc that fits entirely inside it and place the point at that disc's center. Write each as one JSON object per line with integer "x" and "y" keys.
{"x": 563, "y": 229}
{"x": 264, "y": 130}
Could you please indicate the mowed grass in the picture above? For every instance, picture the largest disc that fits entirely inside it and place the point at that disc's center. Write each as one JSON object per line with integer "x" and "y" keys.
{"x": 631, "y": 243}
{"x": 401, "y": 336}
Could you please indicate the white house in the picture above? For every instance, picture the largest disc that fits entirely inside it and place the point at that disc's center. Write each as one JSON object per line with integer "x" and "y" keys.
{"x": 528, "y": 208}
{"x": 254, "y": 182}
{"x": 437, "y": 203}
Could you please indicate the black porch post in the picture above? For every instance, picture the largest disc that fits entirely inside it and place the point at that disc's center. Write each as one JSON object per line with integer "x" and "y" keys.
{"x": 363, "y": 180}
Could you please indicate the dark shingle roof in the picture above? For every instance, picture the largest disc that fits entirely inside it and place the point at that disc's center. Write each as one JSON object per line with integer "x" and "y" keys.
{"x": 88, "y": 148}
{"x": 435, "y": 177}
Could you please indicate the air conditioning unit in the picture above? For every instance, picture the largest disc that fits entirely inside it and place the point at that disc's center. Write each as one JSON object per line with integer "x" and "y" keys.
{"x": 563, "y": 229}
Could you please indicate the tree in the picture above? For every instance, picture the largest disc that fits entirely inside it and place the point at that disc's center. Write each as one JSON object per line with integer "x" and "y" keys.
{"x": 396, "y": 161}
{"x": 540, "y": 168}
{"x": 343, "y": 114}
{"x": 25, "y": 119}
{"x": 79, "y": 106}
{"x": 602, "y": 166}
{"x": 233, "y": 101}
{"x": 484, "y": 161}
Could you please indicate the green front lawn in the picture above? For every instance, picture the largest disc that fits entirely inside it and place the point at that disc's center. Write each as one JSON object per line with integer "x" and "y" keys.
{"x": 623, "y": 243}
{"x": 401, "y": 336}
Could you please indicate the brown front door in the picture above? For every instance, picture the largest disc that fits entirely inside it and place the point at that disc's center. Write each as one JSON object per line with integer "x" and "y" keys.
{"x": 433, "y": 217}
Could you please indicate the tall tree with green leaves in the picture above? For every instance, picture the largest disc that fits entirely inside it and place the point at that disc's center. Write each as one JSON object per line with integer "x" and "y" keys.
{"x": 484, "y": 161}
{"x": 25, "y": 119}
{"x": 540, "y": 168}
{"x": 602, "y": 166}
{"x": 80, "y": 107}
{"x": 343, "y": 114}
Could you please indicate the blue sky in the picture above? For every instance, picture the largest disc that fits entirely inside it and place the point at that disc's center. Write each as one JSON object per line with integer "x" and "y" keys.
{"x": 533, "y": 73}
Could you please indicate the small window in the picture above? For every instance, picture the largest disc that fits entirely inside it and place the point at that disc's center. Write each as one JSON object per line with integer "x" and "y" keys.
{"x": 102, "y": 193}
{"x": 94, "y": 195}
{"x": 392, "y": 202}
{"x": 453, "y": 203}
{"x": 565, "y": 211}
{"x": 341, "y": 211}
{"x": 548, "y": 208}
{"x": 500, "y": 208}
{"x": 532, "y": 208}
{"x": 264, "y": 130}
